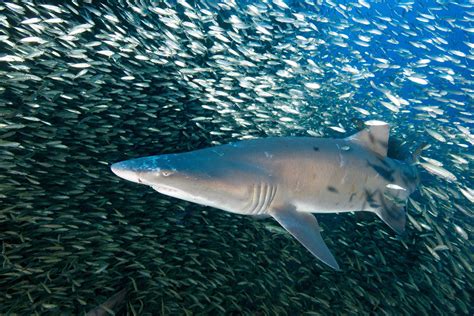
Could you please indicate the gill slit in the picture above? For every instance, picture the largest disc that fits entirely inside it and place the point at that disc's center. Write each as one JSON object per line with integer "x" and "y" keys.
{"x": 253, "y": 199}
{"x": 261, "y": 196}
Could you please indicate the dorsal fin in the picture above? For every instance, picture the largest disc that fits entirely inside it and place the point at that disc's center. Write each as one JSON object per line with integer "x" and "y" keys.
{"x": 373, "y": 137}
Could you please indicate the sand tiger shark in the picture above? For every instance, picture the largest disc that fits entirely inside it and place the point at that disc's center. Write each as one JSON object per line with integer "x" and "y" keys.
{"x": 288, "y": 178}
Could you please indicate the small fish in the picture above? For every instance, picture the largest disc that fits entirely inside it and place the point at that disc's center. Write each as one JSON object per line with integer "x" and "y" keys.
{"x": 439, "y": 171}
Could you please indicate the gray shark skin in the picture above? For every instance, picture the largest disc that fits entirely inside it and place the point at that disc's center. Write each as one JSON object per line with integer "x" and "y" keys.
{"x": 287, "y": 178}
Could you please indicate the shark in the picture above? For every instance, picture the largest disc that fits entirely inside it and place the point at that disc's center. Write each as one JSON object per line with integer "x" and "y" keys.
{"x": 288, "y": 179}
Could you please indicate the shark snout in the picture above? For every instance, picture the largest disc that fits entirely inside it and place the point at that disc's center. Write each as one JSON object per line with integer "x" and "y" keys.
{"x": 139, "y": 170}
{"x": 124, "y": 171}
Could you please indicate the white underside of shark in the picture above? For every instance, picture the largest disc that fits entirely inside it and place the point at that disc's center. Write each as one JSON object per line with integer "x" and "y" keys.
{"x": 288, "y": 178}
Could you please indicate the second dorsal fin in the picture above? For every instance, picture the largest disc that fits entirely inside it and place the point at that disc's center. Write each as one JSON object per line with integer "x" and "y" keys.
{"x": 373, "y": 137}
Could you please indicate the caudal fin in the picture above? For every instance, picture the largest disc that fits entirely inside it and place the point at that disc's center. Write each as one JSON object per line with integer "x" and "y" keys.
{"x": 414, "y": 157}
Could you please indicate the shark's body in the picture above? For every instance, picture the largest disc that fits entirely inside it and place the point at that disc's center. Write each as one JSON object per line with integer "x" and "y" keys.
{"x": 287, "y": 178}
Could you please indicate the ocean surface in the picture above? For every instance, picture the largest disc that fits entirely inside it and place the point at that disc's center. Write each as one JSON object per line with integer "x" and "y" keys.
{"x": 84, "y": 84}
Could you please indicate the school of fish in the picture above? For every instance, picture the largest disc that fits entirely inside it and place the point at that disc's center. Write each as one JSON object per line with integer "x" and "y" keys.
{"x": 87, "y": 83}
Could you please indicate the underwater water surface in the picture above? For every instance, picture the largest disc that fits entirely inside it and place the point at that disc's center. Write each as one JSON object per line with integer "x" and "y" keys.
{"x": 84, "y": 84}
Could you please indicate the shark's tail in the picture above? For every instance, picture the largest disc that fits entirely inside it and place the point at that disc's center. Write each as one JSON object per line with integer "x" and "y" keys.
{"x": 389, "y": 203}
{"x": 399, "y": 150}
{"x": 414, "y": 157}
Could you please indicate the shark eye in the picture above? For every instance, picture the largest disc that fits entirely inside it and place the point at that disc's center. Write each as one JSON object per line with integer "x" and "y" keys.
{"x": 166, "y": 173}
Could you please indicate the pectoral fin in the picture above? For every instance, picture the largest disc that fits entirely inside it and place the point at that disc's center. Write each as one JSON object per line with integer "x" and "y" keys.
{"x": 304, "y": 227}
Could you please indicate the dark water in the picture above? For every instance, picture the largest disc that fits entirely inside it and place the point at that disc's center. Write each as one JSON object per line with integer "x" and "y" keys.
{"x": 88, "y": 83}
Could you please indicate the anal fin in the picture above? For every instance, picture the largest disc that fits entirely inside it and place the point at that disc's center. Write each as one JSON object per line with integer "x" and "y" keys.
{"x": 391, "y": 210}
{"x": 305, "y": 228}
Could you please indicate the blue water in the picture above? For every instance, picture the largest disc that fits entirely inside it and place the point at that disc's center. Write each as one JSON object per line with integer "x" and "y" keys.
{"x": 131, "y": 84}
